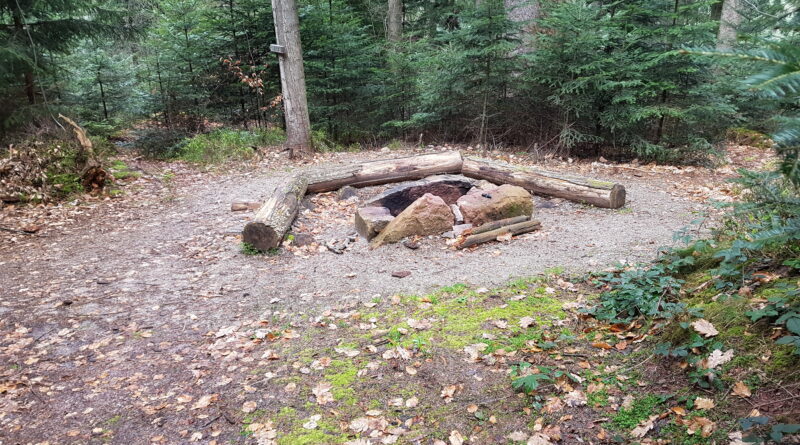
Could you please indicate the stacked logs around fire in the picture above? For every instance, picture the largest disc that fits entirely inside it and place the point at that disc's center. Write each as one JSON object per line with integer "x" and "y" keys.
{"x": 275, "y": 217}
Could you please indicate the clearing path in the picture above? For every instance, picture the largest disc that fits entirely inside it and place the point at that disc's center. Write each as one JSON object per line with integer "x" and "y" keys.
{"x": 139, "y": 319}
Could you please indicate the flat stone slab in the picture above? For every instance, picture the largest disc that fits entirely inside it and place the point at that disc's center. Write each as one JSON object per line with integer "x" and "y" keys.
{"x": 371, "y": 220}
{"x": 447, "y": 187}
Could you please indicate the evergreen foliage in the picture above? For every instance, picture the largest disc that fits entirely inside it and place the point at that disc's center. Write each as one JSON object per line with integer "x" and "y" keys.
{"x": 582, "y": 78}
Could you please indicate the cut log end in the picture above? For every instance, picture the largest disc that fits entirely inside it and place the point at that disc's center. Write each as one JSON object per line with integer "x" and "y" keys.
{"x": 260, "y": 236}
{"x": 616, "y": 198}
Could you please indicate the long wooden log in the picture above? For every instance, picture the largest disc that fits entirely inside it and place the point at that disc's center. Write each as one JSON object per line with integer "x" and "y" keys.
{"x": 491, "y": 235}
{"x": 275, "y": 217}
{"x": 574, "y": 188}
{"x": 384, "y": 171}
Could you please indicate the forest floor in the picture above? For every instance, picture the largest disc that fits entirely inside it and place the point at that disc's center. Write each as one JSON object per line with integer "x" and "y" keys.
{"x": 139, "y": 319}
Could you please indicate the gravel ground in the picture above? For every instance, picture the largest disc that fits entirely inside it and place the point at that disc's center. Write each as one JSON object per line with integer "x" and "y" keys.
{"x": 80, "y": 298}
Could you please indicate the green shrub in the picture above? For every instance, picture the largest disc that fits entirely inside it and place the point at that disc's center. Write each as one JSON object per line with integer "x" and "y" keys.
{"x": 226, "y": 145}
{"x": 159, "y": 143}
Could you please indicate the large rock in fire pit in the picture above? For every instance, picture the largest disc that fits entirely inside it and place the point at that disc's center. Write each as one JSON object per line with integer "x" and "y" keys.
{"x": 371, "y": 220}
{"x": 480, "y": 206}
{"x": 428, "y": 215}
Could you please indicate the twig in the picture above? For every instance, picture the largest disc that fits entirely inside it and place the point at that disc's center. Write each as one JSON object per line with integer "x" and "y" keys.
{"x": 7, "y": 229}
{"x": 775, "y": 401}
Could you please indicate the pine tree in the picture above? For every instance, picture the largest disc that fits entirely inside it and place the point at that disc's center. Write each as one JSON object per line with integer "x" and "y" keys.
{"x": 34, "y": 33}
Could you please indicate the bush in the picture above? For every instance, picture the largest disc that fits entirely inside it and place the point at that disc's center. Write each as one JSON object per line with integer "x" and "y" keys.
{"x": 226, "y": 144}
{"x": 159, "y": 143}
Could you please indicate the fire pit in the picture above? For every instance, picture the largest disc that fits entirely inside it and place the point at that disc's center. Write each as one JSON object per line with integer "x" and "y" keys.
{"x": 439, "y": 204}
{"x": 432, "y": 204}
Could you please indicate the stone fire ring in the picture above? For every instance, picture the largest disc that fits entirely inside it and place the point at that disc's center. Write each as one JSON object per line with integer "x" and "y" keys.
{"x": 275, "y": 217}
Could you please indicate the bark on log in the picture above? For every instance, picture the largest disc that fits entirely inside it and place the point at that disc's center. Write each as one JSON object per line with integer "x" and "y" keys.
{"x": 275, "y": 217}
{"x": 384, "y": 172}
{"x": 497, "y": 224}
{"x": 574, "y": 188}
{"x": 491, "y": 235}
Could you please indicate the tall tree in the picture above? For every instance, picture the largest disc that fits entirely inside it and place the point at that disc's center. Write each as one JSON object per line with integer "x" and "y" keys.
{"x": 394, "y": 21}
{"x": 293, "y": 78}
{"x": 729, "y": 22}
{"x": 33, "y": 31}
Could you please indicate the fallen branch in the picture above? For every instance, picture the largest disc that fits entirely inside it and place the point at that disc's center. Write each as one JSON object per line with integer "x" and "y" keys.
{"x": 491, "y": 235}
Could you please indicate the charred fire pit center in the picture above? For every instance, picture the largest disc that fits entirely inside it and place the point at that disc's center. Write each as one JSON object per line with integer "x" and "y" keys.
{"x": 478, "y": 200}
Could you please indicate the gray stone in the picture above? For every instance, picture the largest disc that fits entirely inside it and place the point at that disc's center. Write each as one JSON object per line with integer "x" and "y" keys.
{"x": 371, "y": 220}
{"x": 347, "y": 192}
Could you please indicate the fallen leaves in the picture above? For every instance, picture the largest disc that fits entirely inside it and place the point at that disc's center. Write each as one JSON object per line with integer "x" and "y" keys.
{"x": 322, "y": 391}
{"x": 703, "y": 403}
{"x": 741, "y": 389}
{"x": 205, "y": 401}
{"x": 398, "y": 352}
{"x": 644, "y": 427}
{"x": 456, "y": 438}
{"x": 705, "y": 328}
{"x": 718, "y": 358}
{"x": 701, "y": 425}
{"x": 526, "y": 322}
{"x": 249, "y": 406}
{"x": 448, "y": 392}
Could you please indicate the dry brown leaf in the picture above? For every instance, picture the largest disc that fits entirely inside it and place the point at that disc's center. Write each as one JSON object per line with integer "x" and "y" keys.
{"x": 703, "y": 403}
{"x": 552, "y": 405}
{"x": 205, "y": 401}
{"x": 249, "y": 406}
{"x": 644, "y": 427}
{"x": 704, "y": 327}
{"x": 700, "y": 424}
{"x": 717, "y": 358}
{"x": 602, "y": 345}
{"x": 526, "y": 322}
{"x": 456, "y": 438}
{"x": 741, "y": 390}
{"x": 323, "y": 392}
{"x": 621, "y": 346}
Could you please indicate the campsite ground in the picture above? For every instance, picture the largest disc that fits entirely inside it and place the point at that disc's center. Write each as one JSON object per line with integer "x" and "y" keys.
{"x": 138, "y": 318}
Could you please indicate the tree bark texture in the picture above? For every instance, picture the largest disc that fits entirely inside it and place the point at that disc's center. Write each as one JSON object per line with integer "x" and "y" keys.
{"x": 491, "y": 235}
{"x": 394, "y": 21}
{"x": 574, "y": 188}
{"x": 293, "y": 79}
{"x": 275, "y": 217}
{"x": 729, "y": 22}
{"x": 384, "y": 172}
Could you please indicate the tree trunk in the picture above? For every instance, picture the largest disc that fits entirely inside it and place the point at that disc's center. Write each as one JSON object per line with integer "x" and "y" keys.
{"x": 491, "y": 235}
{"x": 19, "y": 29}
{"x": 383, "y": 172}
{"x": 102, "y": 97}
{"x": 394, "y": 21}
{"x": 274, "y": 219}
{"x": 574, "y": 188}
{"x": 729, "y": 22}
{"x": 293, "y": 79}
